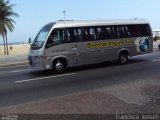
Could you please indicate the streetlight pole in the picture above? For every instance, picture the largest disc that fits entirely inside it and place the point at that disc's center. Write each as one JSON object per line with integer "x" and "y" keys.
{"x": 64, "y": 12}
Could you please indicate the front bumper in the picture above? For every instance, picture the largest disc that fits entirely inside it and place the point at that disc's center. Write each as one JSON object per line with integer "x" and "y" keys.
{"x": 36, "y": 63}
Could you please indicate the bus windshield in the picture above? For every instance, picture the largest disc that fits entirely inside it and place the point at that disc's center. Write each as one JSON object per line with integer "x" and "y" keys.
{"x": 41, "y": 37}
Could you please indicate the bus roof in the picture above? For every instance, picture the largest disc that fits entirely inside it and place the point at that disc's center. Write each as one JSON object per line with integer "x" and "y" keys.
{"x": 82, "y": 23}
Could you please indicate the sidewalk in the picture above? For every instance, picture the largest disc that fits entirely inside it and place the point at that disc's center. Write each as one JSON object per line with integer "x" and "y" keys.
{"x": 12, "y": 60}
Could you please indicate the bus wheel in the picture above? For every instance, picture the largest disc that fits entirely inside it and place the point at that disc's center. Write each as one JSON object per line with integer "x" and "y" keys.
{"x": 123, "y": 58}
{"x": 59, "y": 66}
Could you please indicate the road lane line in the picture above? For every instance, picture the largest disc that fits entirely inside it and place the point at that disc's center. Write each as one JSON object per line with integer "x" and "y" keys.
{"x": 35, "y": 79}
{"x": 16, "y": 71}
{"x": 156, "y": 60}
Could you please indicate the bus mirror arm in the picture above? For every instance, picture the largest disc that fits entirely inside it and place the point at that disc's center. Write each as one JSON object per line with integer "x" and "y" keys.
{"x": 30, "y": 41}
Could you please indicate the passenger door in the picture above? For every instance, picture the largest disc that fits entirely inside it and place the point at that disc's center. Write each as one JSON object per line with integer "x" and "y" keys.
{"x": 84, "y": 54}
{"x": 52, "y": 47}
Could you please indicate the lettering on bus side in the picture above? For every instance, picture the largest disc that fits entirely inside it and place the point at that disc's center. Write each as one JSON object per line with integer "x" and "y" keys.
{"x": 91, "y": 45}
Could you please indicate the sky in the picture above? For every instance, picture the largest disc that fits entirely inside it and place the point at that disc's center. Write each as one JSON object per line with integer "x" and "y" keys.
{"x": 36, "y": 13}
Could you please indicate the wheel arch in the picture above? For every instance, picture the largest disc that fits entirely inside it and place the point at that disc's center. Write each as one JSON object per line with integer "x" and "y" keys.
{"x": 124, "y": 50}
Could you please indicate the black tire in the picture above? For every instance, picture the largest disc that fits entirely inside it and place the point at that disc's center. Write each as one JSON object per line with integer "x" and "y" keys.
{"x": 123, "y": 58}
{"x": 59, "y": 66}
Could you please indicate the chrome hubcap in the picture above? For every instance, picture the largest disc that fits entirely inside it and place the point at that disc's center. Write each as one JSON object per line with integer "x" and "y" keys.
{"x": 59, "y": 67}
{"x": 123, "y": 58}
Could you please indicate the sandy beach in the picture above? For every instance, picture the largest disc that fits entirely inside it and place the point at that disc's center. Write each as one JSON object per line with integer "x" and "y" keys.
{"x": 20, "y": 49}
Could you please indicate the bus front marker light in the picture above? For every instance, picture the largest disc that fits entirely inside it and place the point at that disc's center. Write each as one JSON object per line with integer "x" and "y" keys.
{"x": 48, "y": 58}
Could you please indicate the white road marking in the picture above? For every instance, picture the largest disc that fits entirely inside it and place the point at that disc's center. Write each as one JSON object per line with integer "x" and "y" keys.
{"x": 22, "y": 81}
{"x": 156, "y": 60}
{"x": 16, "y": 71}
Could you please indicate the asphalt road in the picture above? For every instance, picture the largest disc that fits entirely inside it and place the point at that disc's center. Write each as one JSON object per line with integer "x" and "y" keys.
{"x": 20, "y": 84}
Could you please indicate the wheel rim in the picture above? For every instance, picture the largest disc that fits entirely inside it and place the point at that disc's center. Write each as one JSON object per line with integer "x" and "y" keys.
{"x": 123, "y": 58}
{"x": 59, "y": 67}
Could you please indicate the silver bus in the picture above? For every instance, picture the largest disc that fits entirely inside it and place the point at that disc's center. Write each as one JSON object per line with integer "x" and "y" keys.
{"x": 64, "y": 44}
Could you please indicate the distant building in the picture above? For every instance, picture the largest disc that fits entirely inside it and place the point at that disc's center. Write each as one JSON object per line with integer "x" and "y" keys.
{"x": 156, "y": 32}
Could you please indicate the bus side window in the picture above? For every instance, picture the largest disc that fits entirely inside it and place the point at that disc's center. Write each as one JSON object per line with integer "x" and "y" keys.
{"x": 123, "y": 32}
{"x": 97, "y": 32}
{"x": 92, "y": 34}
{"x": 133, "y": 30}
{"x": 83, "y": 34}
{"x": 76, "y": 39}
{"x": 71, "y": 34}
{"x": 56, "y": 37}
{"x": 127, "y": 32}
{"x": 148, "y": 30}
{"x": 144, "y": 30}
{"x": 67, "y": 36}
{"x": 108, "y": 32}
{"x": 117, "y": 31}
{"x": 113, "y": 33}
{"x": 79, "y": 35}
{"x": 50, "y": 41}
{"x": 87, "y": 35}
{"x": 102, "y": 33}
{"x": 59, "y": 36}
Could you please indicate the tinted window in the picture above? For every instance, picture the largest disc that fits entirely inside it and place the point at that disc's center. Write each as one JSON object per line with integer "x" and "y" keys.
{"x": 73, "y": 35}
{"x": 56, "y": 37}
{"x": 144, "y": 30}
{"x": 139, "y": 30}
{"x": 81, "y": 34}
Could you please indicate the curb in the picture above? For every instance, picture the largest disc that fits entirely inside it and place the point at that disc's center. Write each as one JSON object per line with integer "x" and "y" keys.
{"x": 14, "y": 64}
